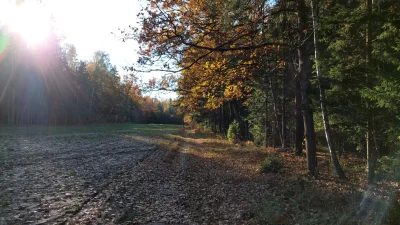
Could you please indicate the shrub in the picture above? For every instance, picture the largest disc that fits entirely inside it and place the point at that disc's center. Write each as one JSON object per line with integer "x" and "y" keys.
{"x": 5, "y": 204}
{"x": 270, "y": 164}
{"x": 233, "y": 131}
{"x": 388, "y": 167}
{"x": 258, "y": 135}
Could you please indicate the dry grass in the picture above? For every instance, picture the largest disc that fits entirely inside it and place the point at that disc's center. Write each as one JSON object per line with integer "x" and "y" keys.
{"x": 298, "y": 197}
{"x": 294, "y": 197}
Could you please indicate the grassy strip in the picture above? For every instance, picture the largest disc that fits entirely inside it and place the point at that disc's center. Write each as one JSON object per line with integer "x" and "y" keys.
{"x": 99, "y": 128}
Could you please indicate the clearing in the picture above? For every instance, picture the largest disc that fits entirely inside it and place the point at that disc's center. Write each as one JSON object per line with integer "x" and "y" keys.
{"x": 158, "y": 174}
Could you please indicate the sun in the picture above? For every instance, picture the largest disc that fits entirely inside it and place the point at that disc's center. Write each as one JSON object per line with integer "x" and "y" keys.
{"x": 30, "y": 20}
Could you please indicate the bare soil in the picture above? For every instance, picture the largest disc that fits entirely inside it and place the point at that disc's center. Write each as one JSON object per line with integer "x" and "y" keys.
{"x": 49, "y": 179}
{"x": 117, "y": 178}
{"x": 154, "y": 177}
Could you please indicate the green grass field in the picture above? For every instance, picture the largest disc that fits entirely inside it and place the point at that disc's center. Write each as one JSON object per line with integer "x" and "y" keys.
{"x": 145, "y": 129}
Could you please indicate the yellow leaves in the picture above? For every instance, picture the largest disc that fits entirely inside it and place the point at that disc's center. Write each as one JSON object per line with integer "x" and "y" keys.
{"x": 213, "y": 65}
{"x": 233, "y": 92}
{"x": 281, "y": 64}
{"x": 91, "y": 66}
{"x": 188, "y": 119}
{"x": 214, "y": 102}
{"x": 248, "y": 90}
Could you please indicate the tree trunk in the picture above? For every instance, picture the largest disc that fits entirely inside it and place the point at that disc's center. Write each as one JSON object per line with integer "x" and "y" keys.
{"x": 299, "y": 136}
{"x": 370, "y": 167}
{"x": 370, "y": 151}
{"x": 304, "y": 73}
{"x": 78, "y": 115}
{"x": 266, "y": 144}
{"x": 273, "y": 134}
{"x": 13, "y": 108}
{"x": 309, "y": 131}
{"x": 275, "y": 112}
{"x": 283, "y": 113}
{"x": 222, "y": 119}
{"x": 341, "y": 148}
{"x": 91, "y": 104}
{"x": 324, "y": 111}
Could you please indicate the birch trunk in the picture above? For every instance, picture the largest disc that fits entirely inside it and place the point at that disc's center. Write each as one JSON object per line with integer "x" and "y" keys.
{"x": 371, "y": 155}
{"x": 324, "y": 111}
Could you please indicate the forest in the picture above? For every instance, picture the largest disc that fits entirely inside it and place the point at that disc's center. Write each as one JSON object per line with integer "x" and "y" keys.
{"x": 48, "y": 85}
{"x": 289, "y": 74}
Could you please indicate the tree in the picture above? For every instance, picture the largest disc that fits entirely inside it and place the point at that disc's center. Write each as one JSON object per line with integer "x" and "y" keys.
{"x": 324, "y": 111}
{"x": 357, "y": 63}
{"x": 304, "y": 71}
{"x": 227, "y": 40}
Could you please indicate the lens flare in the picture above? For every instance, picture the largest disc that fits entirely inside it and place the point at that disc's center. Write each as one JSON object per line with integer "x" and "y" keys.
{"x": 30, "y": 20}
{"x": 4, "y": 42}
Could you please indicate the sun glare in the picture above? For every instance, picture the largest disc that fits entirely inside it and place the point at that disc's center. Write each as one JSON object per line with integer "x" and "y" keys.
{"x": 30, "y": 20}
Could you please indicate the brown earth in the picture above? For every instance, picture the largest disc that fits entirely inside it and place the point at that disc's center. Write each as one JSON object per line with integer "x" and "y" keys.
{"x": 47, "y": 179}
{"x": 119, "y": 179}
{"x": 122, "y": 178}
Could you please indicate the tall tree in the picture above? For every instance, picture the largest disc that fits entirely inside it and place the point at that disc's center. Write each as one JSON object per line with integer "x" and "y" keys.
{"x": 304, "y": 52}
{"x": 187, "y": 34}
{"x": 324, "y": 110}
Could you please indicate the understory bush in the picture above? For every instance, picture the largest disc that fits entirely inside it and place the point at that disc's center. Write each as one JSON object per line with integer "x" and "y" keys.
{"x": 258, "y": 135}
{"x": 233, "y": 131}
{"x": 389, "y": 168}
{"x": 272, "y": 163}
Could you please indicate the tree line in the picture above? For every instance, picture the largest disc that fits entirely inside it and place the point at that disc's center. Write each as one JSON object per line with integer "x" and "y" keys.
{"x": 47, "y": 84}
{"x": 293, "y": 74}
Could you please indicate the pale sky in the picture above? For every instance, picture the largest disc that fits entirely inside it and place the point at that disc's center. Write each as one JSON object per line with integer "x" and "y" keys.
{"x": 87, "y": 24}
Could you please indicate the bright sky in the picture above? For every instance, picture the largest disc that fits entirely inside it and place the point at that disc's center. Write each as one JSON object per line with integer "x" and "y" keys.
{"x": 87, "y": 24}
